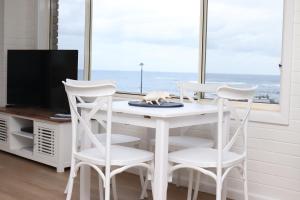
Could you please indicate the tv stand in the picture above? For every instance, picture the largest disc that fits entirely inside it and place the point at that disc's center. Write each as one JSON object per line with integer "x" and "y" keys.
{"x": 48, "y": 143}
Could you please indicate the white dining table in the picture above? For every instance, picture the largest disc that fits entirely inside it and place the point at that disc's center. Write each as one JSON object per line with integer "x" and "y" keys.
{"x": 162, "y": 120}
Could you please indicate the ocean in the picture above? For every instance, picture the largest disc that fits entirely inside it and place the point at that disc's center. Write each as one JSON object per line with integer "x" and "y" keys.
{"x": 129, "y": 81}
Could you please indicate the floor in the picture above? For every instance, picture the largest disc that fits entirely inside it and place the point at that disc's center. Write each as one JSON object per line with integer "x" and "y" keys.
{"x": 27, "y": 180}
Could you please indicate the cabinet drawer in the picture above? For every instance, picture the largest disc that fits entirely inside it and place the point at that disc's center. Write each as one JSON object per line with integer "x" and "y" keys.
{"x": 3, "y": 130}
{"x": 45, "y": 140}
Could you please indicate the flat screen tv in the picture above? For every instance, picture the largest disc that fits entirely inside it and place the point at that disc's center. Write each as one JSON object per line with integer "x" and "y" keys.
{"x": 34, "y": 78}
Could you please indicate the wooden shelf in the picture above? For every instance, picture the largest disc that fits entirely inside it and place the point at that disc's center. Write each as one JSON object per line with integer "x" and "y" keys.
{"x": 33, "y": 135}
{"x": 28, "y": 150}
{"x": 33, "y": 113}
{"x": 23, "y": 134}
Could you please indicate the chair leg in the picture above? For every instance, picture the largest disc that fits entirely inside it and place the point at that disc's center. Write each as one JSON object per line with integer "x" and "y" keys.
{"x": 190, "y": 187}
{"x": 143, "y": 183}
{"x": 147, "y": 180}
{"x": 101, "y": 192}
{"x": 142, "y": 180}
{"x": 245, "y": 178}
{"x": 107, "y": 189}
{"x": 197, "y": 185}
{"x": 71, "y": 180}
{"x": 144, "y": 190}
{"x": 219, "y": 189}
{"x": 114, "y": 188}
{"x": 69, "y": 187}
{"x": 178, "y": 179}
{"x": 68, "y": 183}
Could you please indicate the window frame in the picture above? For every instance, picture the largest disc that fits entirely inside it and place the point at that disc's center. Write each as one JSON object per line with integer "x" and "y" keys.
{"x": 287, "y": 61}
{"x": 261, "y": 113}
{"x": 281, "y": 116}
{"x": 268, "y": 114}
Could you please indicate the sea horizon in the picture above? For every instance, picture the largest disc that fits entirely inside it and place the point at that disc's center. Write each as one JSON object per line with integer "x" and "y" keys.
{"x": 268, "y": 90}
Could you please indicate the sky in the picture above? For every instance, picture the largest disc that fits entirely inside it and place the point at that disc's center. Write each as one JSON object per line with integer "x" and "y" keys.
{"x": 244, "y": 36}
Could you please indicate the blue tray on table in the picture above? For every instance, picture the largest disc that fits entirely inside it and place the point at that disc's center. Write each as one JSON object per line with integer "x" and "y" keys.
{"x": 162, "y": 104}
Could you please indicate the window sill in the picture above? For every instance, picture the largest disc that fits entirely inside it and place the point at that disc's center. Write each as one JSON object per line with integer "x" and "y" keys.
{"x": 261, "y": 113}
{"x": 270, "y": 117}
{"x": 267, "y": 113}
{"x": 127, "y": 96}
{"x": 264, "y": 113}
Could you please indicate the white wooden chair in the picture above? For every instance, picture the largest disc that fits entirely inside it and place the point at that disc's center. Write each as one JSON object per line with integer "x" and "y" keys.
{"x": 187, "y": 90}
{"x": 113, "y": 158}
{"x": 116, "y": 138}
{"x": 223, "y": 159}
{"x": 182, "y": 141}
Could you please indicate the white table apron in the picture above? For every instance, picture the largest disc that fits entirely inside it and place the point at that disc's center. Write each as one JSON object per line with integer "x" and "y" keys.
{"x": 161, "y": 120}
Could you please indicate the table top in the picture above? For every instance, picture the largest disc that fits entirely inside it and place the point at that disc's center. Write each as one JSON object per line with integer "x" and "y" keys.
{"x": 187, "y": 110}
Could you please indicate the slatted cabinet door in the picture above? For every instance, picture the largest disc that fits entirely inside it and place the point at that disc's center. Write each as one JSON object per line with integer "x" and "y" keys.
{"x": 3, "y": 131}
{"x": 45, "y": 141}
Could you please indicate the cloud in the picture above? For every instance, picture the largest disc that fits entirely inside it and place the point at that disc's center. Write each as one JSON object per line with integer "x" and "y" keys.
{"x": 244, "y": 28}
{"x": 128, "y": 55}
{"x": 146, "y": 22}
{"x": 71, "y": 17}
{"x": 243, "y": 36}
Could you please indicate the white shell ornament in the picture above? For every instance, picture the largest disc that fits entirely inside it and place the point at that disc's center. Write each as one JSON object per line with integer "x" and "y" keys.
{"x": 156, "y": 97}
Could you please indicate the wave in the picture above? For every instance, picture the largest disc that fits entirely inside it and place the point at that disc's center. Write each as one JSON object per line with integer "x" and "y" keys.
{"x": 130, "y": 81}
{"x": 227, "y": 82}
{"x": 166, "y": 78}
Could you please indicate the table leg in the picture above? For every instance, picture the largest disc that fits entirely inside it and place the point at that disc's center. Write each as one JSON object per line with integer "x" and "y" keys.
{"x": 160, "y": 185}
{"x": 226, "y": 129}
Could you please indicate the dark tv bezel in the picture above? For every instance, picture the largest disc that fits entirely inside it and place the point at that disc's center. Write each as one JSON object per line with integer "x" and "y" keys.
{"x": 42, "y": 104}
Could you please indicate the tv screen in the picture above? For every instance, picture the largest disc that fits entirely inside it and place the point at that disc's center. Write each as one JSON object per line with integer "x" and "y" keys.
{"x": 34, "y": 78}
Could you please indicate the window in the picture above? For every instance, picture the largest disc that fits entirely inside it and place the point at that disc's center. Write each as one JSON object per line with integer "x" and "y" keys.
{"x": 153, "y": 41}
{"x": 172, "y": 40}
{"x": 148, "y": 46}
{"x": 244, "y": 43}
{"x": 70, "y": 30}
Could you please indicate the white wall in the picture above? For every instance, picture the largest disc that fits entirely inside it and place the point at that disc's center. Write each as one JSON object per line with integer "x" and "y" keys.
{"x": 42, "y": 23}
{"x": 19, "y": 33}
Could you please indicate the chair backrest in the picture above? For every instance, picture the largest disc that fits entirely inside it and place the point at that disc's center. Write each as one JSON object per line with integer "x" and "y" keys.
{"x": 186, "y": 88}
{"x": 99, "y": 95}
{"x": 89, "y": 83}
{"x": 82, "y": 82}
{"x": 226, "y": 97}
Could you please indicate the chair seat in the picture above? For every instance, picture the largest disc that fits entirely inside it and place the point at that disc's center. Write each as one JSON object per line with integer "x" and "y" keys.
{"x": 204, "y": 157}
{"x": 190, "y": 141}
{"x": 117, "y": 138}
{"x": 120, "y": 156}
{"x": 180, "y": 142}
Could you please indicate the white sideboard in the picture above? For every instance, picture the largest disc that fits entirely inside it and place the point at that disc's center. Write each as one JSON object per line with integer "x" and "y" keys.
{"x": 30, "y": 133}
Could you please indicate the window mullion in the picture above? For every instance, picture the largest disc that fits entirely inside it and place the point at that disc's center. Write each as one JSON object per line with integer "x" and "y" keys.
{"x": 88, "y": 39}
{"x": 53, "y": 26}
{"x": 202, "y": 40}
